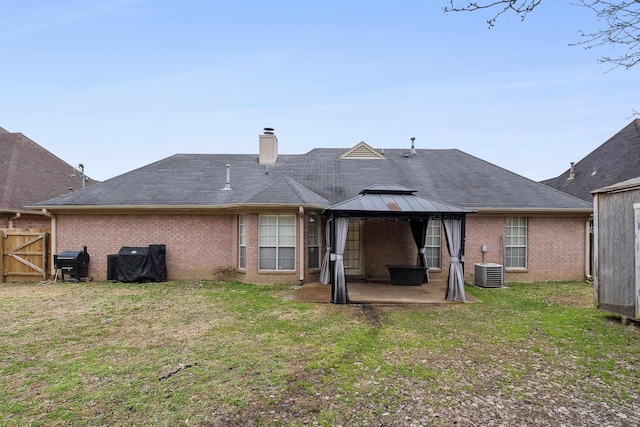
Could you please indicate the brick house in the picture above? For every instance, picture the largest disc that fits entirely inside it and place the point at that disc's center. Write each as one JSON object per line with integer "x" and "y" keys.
{"x": 261, "y": 215}
{"x": 616, "y": 160}
{"x": 30, "y": 174}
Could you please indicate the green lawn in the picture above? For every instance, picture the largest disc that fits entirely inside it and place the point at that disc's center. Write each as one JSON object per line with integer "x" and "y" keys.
{"x": 203, "y": 353}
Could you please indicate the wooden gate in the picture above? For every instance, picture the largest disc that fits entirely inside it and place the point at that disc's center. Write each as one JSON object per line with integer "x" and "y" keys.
{"x": 24, "y": 254}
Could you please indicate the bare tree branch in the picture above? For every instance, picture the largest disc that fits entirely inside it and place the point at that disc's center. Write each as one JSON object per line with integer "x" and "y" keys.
{"x": 622, "y": 29}
{"x": 519, "y": 7}
{"x": 620, "y": 19}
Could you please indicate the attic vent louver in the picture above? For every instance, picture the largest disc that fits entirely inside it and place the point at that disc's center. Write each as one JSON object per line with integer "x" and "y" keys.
{"x": 362, "y": 151}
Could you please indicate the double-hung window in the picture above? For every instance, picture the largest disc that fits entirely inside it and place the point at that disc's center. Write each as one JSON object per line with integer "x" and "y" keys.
{"x": 516, "y": 243}
{"x": 277, "y": 242}
{"x": 433, "y": 245}
{"x": 242, "y": 242}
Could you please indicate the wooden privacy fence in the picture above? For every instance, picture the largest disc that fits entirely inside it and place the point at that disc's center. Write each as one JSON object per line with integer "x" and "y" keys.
{"x": 24, "y": 254}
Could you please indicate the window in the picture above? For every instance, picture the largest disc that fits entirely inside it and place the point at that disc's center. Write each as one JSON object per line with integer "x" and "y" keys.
{"x": 277, "y": 242}
{"x": 516, "y": 243}
{"x": 433, "y": 243}
{"x": 313, "y": 251}
{"x": 242, "y": 241}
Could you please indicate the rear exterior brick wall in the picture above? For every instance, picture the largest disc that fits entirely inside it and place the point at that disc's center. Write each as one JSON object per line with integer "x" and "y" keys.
{"x": 200, "y": 245}
{"x": 197, "y": 245}
{"x": 556, "y": 247}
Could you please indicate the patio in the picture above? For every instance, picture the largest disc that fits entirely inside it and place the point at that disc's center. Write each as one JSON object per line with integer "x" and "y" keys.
{"x": 363, "y": 292}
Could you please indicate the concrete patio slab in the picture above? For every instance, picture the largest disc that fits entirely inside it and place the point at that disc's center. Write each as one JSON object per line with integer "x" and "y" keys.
{"x": 380, "y": 293}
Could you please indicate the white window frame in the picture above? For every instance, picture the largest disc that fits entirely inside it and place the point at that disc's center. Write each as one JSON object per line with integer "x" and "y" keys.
{"x": 276, "y": 239}
{"x": 516, "y": 243}
{"x": 433, "y": 244}
{"x": 313, "y": 242}
{"x": 242, "y": 242}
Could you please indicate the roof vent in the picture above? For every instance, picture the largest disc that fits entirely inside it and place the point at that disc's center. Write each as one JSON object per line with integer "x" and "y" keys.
{"x": 572, "y": 172}
{"x": 227, "y": 185}
{"x": 413, "y": 147}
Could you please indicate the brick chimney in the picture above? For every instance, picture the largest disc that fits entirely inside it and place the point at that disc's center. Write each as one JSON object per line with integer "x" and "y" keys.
{"x": 268, "y": 147}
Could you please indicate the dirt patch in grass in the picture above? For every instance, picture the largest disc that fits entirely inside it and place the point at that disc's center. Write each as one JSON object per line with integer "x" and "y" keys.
{"x": 570, "y": 300}
{"x": 51, "y": 290}
{"x": 31, "y": 291}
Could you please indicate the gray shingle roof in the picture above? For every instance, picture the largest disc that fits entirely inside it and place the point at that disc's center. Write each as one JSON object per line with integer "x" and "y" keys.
{"x": 29, "y": 173}
{"x": 618, "y": 159}
{"x": 317, "y": 177}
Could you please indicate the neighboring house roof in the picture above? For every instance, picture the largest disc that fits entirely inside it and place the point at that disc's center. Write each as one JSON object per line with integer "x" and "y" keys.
{"x": 30, "y": 174}
{"x": 319, "y": 178}
{"x": 618, "y": 159}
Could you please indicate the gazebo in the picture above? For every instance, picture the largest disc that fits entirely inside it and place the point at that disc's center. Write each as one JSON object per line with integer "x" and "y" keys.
{"x": 398, "y": 203}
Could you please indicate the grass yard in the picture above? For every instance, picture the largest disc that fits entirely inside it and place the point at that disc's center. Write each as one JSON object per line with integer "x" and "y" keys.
{"x": 209, "y": 354}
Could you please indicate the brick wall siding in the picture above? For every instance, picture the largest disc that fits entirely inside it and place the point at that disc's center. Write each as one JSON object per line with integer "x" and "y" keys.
{"x": 27, "y": 221}
{"x": 199, "y": 246}
{"x": 556, "y": 248}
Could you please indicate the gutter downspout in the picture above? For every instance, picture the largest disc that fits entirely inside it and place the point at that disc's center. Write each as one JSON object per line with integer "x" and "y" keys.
{"x": 587, "y": 249}
{"x": 54, "y": 237}
{"x": 16, "y": 216}
{"x": 301, "y": 219}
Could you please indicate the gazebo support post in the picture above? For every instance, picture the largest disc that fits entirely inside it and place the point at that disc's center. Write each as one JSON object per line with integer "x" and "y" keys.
{"x": 332, "y": 256}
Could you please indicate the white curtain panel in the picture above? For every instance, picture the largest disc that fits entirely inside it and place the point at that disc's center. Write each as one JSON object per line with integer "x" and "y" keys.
{"x": 325, "y": 271}
{"x": 455, "y": 285}
{"x": 340, "y": 290}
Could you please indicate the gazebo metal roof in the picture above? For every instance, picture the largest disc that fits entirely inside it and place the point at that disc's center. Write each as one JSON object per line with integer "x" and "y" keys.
{"x": 396, "y": 201}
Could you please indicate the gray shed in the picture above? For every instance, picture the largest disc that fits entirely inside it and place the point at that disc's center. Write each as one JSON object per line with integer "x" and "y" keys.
{"x": 616, "y": 221}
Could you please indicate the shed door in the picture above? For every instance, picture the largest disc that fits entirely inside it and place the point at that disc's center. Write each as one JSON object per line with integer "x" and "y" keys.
{"x": 353, "y": 264}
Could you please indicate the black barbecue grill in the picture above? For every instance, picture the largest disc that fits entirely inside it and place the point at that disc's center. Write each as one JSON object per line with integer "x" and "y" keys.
{"x": 138, "y": 264}
{"x": 75, "y": 263}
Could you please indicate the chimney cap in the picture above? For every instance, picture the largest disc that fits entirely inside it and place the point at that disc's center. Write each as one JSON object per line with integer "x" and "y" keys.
{"x": 268, "y": 131}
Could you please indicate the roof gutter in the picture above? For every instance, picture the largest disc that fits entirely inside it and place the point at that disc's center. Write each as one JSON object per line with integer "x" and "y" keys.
{"x": 21, "y": 212}
{"x": 539, "y": 211}
{"x": 176, "y": 208}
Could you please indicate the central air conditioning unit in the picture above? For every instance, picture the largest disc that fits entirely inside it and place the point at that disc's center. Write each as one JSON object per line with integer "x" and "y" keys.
{"x": 489, "y": 275}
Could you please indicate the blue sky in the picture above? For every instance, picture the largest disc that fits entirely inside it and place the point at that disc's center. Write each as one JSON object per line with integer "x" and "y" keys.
{"x": 118, "y": 84}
